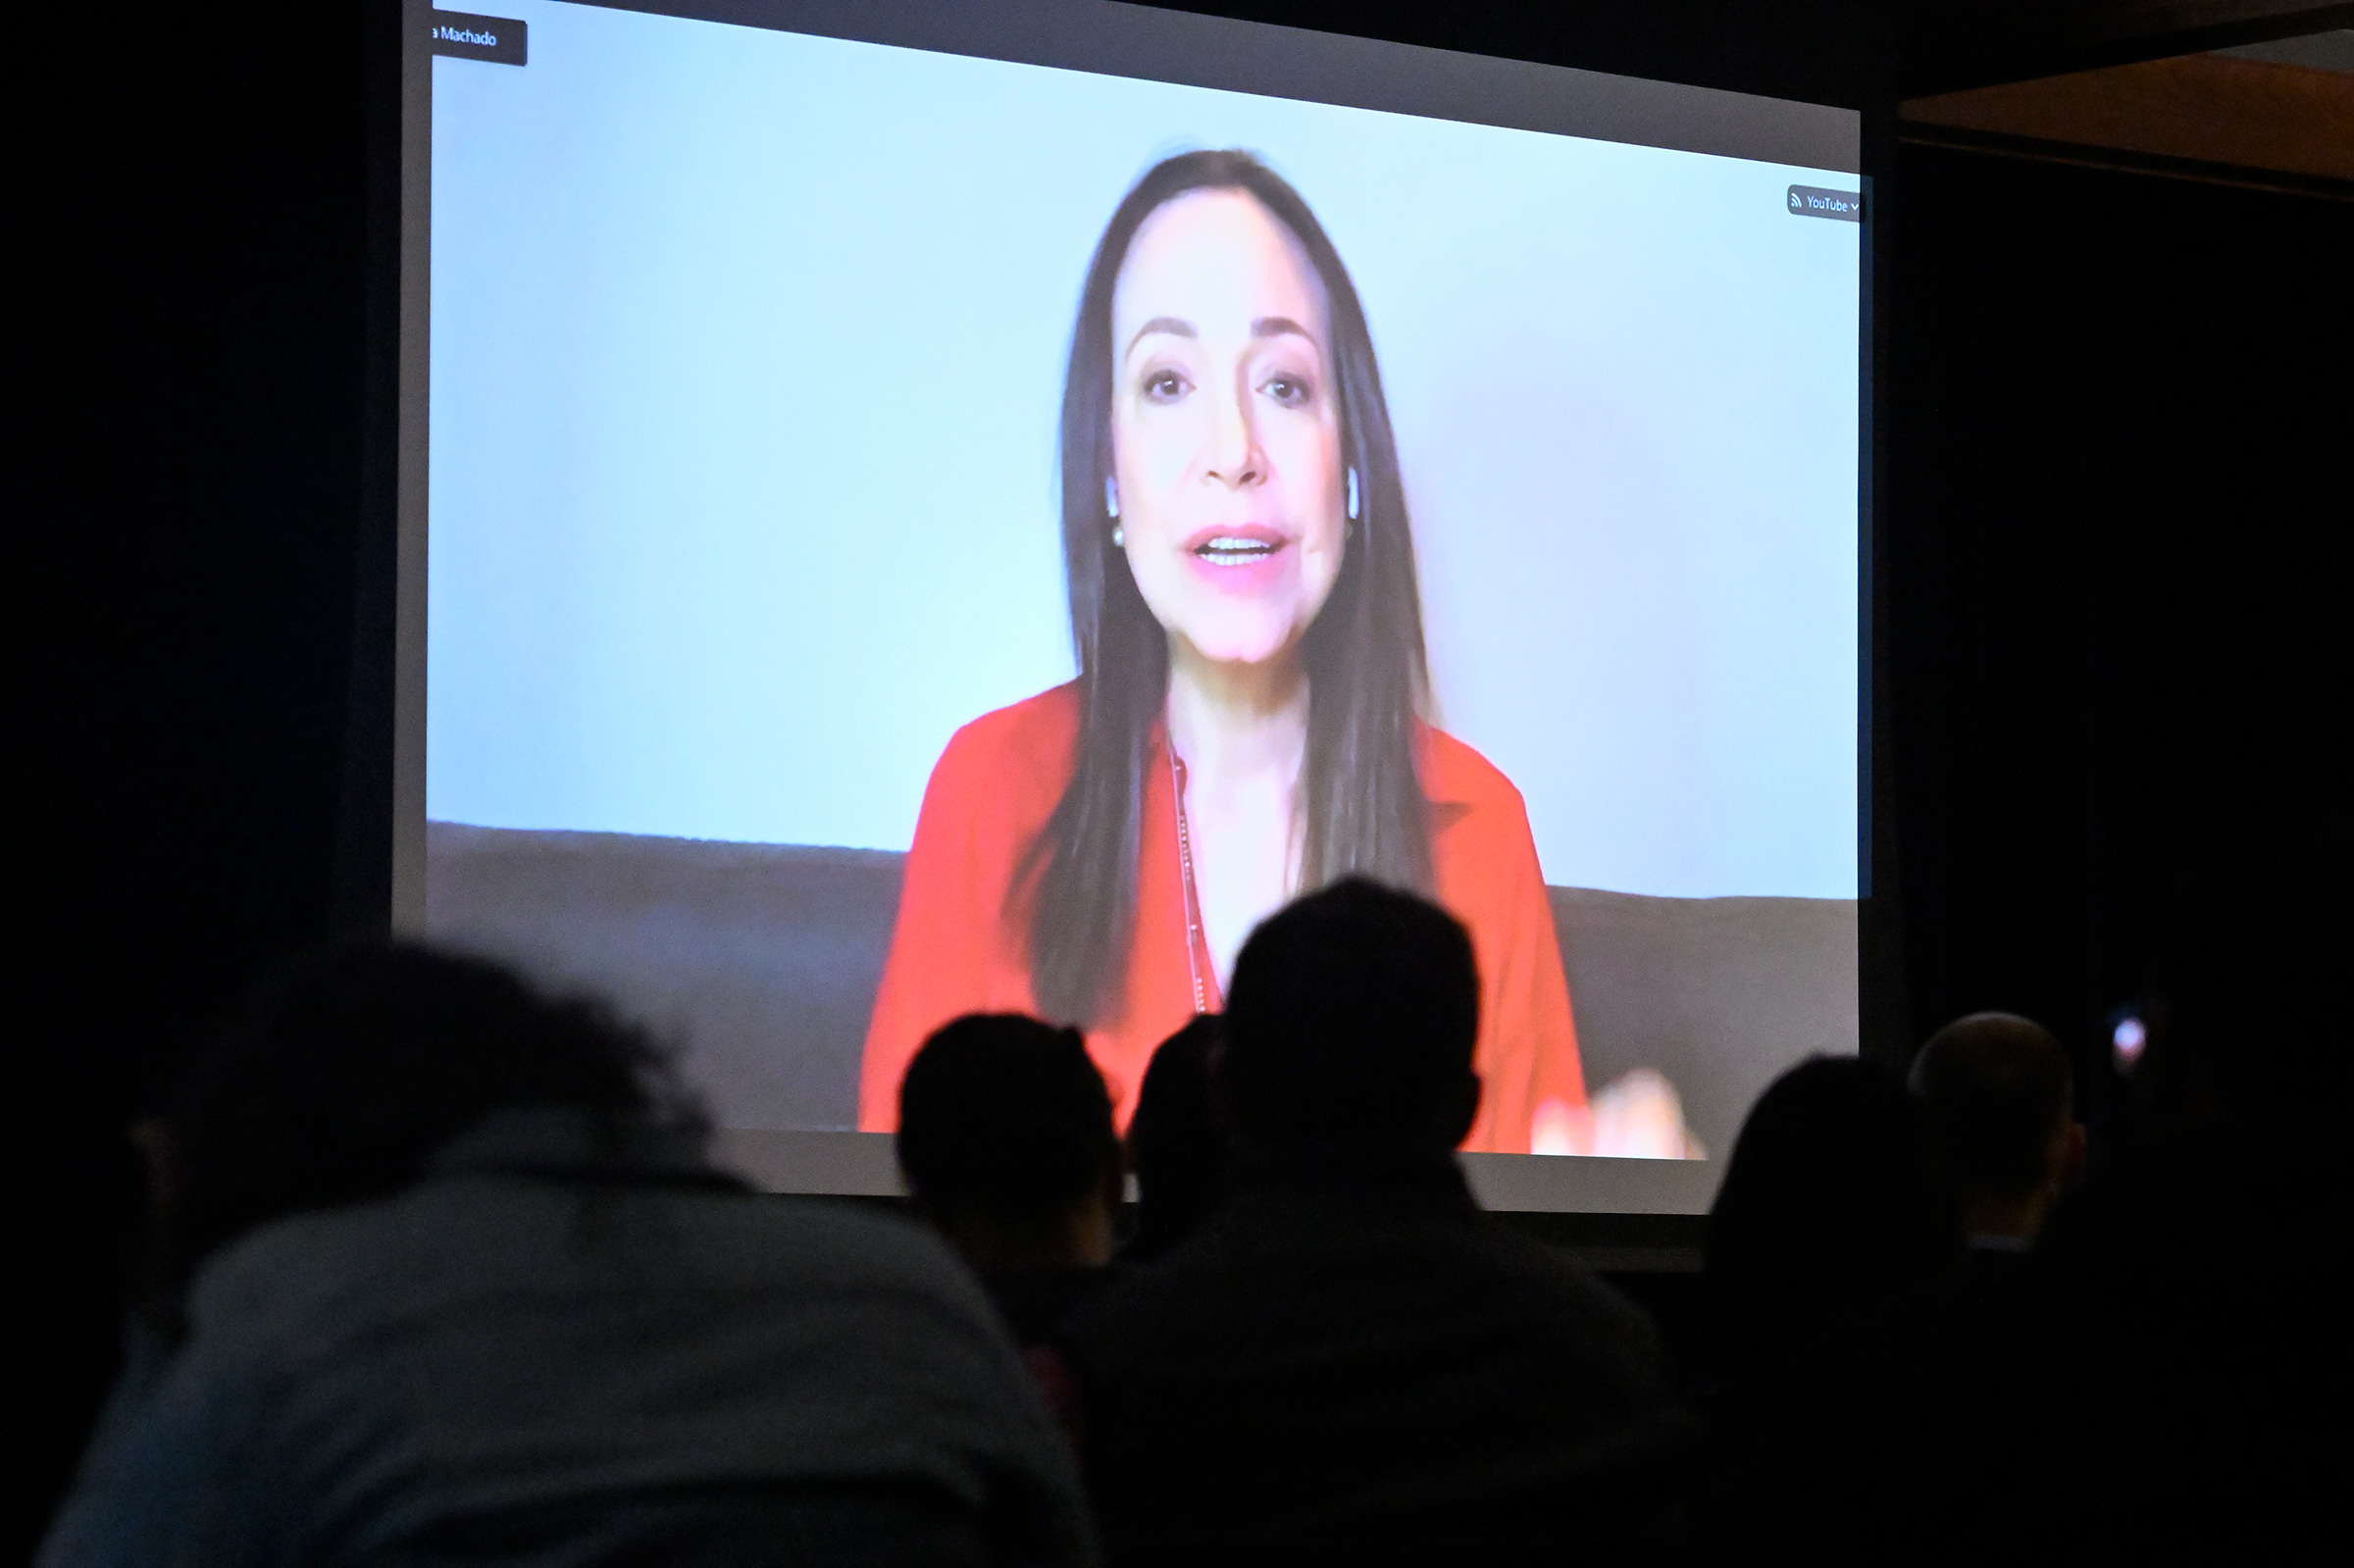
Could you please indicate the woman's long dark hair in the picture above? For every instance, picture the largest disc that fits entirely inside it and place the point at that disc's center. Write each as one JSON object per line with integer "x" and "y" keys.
{"x": 1365, "y": 810}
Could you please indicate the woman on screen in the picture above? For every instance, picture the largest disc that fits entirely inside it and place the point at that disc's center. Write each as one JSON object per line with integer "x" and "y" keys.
{"x": 1247, "y": 718}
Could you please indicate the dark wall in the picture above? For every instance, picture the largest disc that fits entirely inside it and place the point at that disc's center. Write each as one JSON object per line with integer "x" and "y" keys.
{"x": 2109, "y": 521}
{"x": 185, "y": 495}
{"x": 2119, "y": 418}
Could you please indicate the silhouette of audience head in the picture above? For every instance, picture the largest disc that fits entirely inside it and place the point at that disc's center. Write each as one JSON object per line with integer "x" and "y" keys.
{"x": 1834, "y": 1198}
{"x": 2001, "y": 1099}
{"x": 1007, "y": 1144}
{"x": 354, "y": 1068}
{"x": 1177, "y": 1141}
{"x": 1350, "y": 1028}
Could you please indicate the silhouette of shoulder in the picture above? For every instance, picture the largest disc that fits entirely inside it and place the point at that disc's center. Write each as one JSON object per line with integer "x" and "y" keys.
{"x": 1473, "y": 1263}
{"x": 794, "y": 1342}
{"x": 1318, "y": 1373}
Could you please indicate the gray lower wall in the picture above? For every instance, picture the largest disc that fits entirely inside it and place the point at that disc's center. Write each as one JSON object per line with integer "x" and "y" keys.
{"x": 761, "y": 961}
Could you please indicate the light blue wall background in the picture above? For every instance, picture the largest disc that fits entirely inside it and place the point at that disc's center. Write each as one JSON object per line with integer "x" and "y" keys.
{"x": 746, "y": 357}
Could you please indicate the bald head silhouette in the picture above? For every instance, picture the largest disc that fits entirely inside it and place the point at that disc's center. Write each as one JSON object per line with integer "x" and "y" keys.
{"x": 2001, "y": 1096}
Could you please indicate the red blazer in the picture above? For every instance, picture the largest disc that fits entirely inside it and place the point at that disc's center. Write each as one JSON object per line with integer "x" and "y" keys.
{"x": 952, "y": 952}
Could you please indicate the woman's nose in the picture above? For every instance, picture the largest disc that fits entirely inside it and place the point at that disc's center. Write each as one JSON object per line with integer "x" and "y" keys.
{"x": 1235, "y": 459}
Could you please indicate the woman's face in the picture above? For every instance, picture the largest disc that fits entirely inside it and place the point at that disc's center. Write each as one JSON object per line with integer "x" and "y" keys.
{"x": 1225, "y": 429}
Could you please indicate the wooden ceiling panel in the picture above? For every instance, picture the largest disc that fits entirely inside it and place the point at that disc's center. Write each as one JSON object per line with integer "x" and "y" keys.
{"x": 2211, "y": 110}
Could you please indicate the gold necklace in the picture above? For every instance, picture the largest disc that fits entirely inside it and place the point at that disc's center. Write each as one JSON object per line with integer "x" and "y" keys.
{"x": 1192, "y": 896}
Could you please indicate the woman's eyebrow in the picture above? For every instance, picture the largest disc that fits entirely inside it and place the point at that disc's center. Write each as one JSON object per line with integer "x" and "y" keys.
{"x": 1278, "y": 325}
{"x": 1162, "y": 323}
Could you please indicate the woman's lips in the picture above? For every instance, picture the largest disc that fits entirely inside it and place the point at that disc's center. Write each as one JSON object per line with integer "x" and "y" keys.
{"x": 1241, "y": 557}
{"x": 1233, "y": 549}
{"x": 1235, "y": 543}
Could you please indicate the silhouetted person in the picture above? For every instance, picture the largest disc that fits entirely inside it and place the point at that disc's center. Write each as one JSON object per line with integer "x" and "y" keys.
{"x": 1833, "y": 1201}
{"x": 2002, "y": 1102}
{"x": 1834, "y": 1220}
{"x": 2001, "y": 1098}
{"x": 1008, "y": 1146}
{"x": 446, "y": 1279}
{"x": 1178, "y": 1145}
{"x": 2189, "y": 1330}
{"x": 1351, "y": 1361}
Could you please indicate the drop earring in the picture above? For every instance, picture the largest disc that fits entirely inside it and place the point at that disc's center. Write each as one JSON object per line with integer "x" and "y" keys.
{"x": 1111, "y": 497}
{"x": 1353, "y": 508}
{"x": 1120, "y": 539}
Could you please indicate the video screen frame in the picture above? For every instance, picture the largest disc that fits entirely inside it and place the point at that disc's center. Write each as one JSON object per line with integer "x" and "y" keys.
{"x": 1198, "y": 51}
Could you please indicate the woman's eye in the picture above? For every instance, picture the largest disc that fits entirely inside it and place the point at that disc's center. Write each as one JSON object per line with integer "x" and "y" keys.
{"x": 1164, "y": 386}
{"x": 1291, "y": 391}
